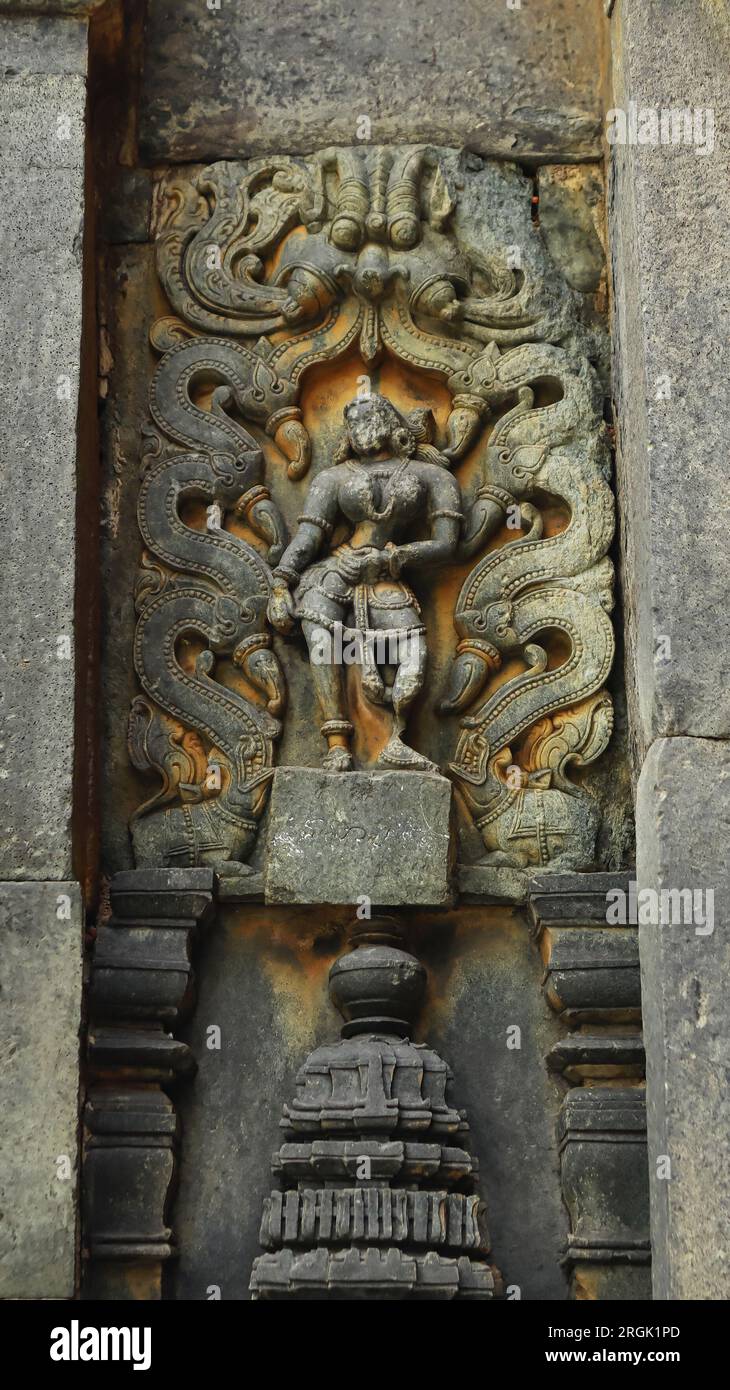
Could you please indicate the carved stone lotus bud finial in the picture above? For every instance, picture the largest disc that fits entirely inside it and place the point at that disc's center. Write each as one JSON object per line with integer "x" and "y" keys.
{"x": 377, "y": 987}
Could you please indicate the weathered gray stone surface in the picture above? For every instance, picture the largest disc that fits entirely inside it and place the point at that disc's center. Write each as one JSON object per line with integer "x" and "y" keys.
{"x": 41, "y": 45}
{"x": 70, "y": 8}
{"x": 571, "y": 213}
{"x": 338, "y": 837}
{"x": 671, "y": 266}
{"x": 42, "y": 105}
{"x": 684, "y": 817}
{"x": 257, "y": 78}
{"x": 593, "y": 970}
{"x": 480, "y": 883}
{"x": 573, "y": 899}
{"x": 603, "y": 1167}
{"x": 41, "y": 926}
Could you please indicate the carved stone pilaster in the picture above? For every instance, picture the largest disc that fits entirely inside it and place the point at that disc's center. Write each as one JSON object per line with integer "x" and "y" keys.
{"x": 132, "y": 1140}
{"x": 592, "y": 982}
{"x": 142, "y": 989}
{"x": 605, "y": 1180}
{"x": 376, "y": 1195}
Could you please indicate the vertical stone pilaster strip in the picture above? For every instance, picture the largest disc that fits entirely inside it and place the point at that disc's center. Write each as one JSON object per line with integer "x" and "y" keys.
{"x": 685, "y": 968}
{"x": 41, "y": 943}
{"x": 671, "y": 272}
{"x": 43, "y": 114}
{"x": 591, "y": 982}
{"x": 142, "y": 989}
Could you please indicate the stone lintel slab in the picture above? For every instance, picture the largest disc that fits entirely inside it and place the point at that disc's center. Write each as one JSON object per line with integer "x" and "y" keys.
{"x": 41, "y": 945}
{"x": 669, "y": 207}
{"x": 683, "y": 823}
{"x": 338, "y": 837}
{"x": 515, "y": 83}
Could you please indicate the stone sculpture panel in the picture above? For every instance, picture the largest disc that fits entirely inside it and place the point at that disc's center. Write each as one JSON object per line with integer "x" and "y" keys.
{"x": 375, "y": 506}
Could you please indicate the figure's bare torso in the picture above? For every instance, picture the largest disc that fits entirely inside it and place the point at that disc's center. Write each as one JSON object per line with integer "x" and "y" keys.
{"x": 381, "y": 498}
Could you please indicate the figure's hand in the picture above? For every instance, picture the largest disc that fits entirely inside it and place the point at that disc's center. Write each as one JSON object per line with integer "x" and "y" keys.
{"x": 374, "y": 566}
{"x": 394, "y": 558}
{"x": 348, "y": 563}
{"x": 280, "y": 611}
{"x": 274, "y": 553}
{"x": 363, "y": 566}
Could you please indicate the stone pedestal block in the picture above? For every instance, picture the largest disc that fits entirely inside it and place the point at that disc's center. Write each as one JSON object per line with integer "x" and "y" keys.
{"x": 340, "y": 837}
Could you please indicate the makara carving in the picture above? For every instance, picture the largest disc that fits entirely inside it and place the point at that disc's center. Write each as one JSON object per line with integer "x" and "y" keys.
{"x": 389, "y": 271}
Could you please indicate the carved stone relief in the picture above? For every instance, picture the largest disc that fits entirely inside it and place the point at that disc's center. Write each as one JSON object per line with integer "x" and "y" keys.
{"x": 369, "y": 400}
{"x": 376, "y": 1185}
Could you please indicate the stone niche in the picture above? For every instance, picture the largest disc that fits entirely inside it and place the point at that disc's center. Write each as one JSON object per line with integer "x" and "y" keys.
{"x": 275, "y": 293}
{"x": 359, "y": 690}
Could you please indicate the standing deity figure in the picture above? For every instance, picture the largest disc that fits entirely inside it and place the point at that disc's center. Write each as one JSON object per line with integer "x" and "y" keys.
{"x": 391, "y": 489}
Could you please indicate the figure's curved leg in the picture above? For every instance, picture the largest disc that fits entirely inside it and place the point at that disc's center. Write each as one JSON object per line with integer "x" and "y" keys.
{"x": 325, "y": 656}
{"x": 410, "y": 673}
{"x": 409, "y": 677}
{"x": 373, "y": 685}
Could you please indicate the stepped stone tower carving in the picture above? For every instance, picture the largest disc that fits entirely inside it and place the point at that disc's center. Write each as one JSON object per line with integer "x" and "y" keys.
{"x": 376, "y": 1195}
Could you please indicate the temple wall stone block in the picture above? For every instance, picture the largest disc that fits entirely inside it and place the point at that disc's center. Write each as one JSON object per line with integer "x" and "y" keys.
{"x": 44, "y": 120}
{"x": 685, "y": 960}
